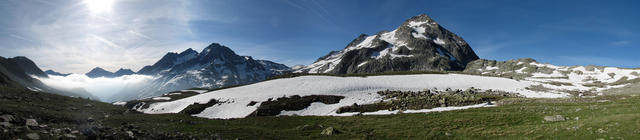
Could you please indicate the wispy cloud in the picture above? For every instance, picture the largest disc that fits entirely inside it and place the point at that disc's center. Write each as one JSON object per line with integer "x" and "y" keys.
{"x": 67, "y": 37}
{"x": 311, "y": 6}
{"x": 20, "y": 37}
{"x": 620, "y": 43}
{"x": 105, "y": 41}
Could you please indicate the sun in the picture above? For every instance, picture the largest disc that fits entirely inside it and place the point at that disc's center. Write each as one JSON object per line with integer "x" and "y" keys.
{"x": 99, "y": 6}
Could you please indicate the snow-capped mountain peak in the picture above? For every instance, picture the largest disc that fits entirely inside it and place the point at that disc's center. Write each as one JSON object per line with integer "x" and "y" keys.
{"x": 418, "y": 44}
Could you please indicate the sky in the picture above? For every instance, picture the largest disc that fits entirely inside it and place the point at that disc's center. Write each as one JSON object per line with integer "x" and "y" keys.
{"x": 74, "y": 36}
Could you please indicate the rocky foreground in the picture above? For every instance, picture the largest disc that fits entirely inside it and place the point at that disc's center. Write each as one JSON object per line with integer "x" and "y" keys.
{"x": 25, "y": 114}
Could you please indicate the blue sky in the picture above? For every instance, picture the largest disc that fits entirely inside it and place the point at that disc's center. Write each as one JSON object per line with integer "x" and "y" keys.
{"x": 75, "y": 36}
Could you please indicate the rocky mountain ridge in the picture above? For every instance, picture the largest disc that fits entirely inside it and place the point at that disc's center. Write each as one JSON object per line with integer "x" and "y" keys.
{"x": 419, "y": 44}
{"x": 99, "y": 72}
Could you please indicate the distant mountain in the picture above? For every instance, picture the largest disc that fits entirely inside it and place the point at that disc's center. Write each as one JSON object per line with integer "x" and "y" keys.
{"x": 214, "y": 67}
{"x": 169, "y": 60}
{"x": 51, "y": 72}
{"x": 122, "y": 72}
{"x": 419, "y": 44}
{"x": 22, "y": 72}
{"x": 99, "y": 72}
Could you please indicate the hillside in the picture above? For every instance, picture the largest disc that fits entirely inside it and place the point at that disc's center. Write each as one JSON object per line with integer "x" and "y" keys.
{"x": 582, "y": 118}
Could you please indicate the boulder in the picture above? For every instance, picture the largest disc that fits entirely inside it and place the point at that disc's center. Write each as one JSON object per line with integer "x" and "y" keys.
{"x": 554, "y": 118}
{"x": 31, "y": 123}
{"x": 33, "y": 136}
{"x": 5, "y": 124}
{"x": 69, "y": 136}
{"x": 329, "y": 131}
{"x": 7, "y": 118}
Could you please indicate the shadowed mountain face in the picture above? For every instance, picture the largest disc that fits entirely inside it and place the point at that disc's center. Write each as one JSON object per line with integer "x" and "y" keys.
{"x": 214, "y": 67}
{"x": 419, "y": 44}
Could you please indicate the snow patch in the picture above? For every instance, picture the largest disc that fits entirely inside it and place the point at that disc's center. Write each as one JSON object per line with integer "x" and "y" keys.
{"x": 119, "y": 103}
{"x": 363, "y": 63}
{"x": 439, "y": 41}
{"x": 161, "y": 98}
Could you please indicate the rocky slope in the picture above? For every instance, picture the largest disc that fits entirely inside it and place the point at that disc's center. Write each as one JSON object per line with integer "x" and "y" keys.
{"x": 214, "y": 67}
{"x": 419, "y": 44}
{"x": 28, "y": 114}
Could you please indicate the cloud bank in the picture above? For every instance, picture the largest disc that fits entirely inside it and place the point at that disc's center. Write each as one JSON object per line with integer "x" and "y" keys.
{"x": 101, "y": 87}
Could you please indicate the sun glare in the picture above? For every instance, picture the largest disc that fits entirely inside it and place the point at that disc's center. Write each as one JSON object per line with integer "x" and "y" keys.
{"x": 99, "y": 6}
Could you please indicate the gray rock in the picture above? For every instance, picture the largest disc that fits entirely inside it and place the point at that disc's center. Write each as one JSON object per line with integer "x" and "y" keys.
{"x": 554, "y": 118}
{"x": 7, "y": 118}
{"x": 31, "y": 123}
{"x": 329, "y": 131}
{"x": 33, "y": 136}
{"x": 56, "y": 131}
{"x": 6, "y": 124}
{"x": 130, "y": 134}
{"x": 70, "y": 136}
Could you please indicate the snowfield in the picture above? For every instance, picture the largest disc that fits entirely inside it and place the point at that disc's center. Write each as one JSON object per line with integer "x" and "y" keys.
{"x": 360, "y": 90}
{"x": 576, "y": 77}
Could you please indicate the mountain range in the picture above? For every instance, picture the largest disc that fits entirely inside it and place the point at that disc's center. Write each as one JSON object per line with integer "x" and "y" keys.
{"x": 214, "y": 67}
{"x": 419, "y": 44}
{"x": 99, "y": 72}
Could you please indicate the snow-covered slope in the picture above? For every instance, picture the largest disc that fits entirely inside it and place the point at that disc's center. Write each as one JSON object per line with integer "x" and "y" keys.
{"x": 419, "y": 44}
{"x": 578, "y": 79}
{"x": 360, "y": 90}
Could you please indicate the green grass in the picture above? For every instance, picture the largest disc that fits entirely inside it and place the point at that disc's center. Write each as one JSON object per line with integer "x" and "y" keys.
{"x": 615, "y": 116}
